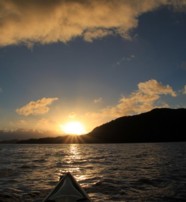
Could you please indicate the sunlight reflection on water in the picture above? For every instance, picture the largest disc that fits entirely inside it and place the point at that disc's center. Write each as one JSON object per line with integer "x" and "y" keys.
{"x": 108, "y": 172}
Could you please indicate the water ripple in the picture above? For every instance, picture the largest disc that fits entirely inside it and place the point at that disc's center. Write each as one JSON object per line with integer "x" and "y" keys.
{"x": 108, "y": 172}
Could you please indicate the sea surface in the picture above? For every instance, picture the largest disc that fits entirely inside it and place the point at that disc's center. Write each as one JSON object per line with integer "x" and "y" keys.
{"x": 145, "y": 172}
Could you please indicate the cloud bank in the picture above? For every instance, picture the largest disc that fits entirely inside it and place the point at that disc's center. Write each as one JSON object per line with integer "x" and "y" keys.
{"x": 98, "y": 100}
{"x": 36, "y": 107}
{"x": 48, "y": 21}
{"x": 145, "y": 98}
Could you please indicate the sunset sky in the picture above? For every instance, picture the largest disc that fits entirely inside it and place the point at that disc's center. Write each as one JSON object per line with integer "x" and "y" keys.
{"x": 89, "y": 61}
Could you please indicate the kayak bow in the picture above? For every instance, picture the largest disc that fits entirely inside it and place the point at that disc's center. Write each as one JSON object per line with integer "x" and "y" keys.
{"x": 67, "y": 190}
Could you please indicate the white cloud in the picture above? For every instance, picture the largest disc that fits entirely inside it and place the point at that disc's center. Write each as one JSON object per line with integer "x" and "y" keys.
{"x": 98, "y": 100}
{"x": 36, "y": 107}
{"x": 50, "y": 21}
{"x": 143, "y": 99}
{"x": 153, "y": 87}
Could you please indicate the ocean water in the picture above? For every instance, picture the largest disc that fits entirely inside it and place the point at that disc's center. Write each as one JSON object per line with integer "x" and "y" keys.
{"x": 108, "y": 172}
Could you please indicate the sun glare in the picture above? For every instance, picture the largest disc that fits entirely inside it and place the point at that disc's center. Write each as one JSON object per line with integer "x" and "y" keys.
{"x": 73, "y": 128}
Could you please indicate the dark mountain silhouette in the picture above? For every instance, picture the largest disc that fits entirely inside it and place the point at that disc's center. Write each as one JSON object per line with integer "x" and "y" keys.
{"x": 9, "y": 135}
{"x": 158, "y": 125}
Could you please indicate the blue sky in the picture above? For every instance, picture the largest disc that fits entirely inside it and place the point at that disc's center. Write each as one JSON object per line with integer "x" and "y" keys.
{"x": 90, "y": 62}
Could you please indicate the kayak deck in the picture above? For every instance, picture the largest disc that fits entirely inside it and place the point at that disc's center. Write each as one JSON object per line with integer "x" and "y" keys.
{"x": 67, "y": 190}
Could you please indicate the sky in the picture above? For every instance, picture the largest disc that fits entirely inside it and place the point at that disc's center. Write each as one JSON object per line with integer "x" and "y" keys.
{"x": 90, "y": 61}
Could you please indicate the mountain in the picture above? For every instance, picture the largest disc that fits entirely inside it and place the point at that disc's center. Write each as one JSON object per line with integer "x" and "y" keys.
{"x": 9, "y": 135}
{"x": 158, "y": 125}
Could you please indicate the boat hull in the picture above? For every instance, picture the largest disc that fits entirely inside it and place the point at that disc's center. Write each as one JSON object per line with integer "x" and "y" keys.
{"x": 67, "y": 190}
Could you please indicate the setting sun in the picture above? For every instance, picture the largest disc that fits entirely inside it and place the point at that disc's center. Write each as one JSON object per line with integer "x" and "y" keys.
{"x": 73, "y": 128}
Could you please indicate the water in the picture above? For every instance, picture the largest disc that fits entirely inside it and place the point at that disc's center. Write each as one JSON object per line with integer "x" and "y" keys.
{"x": 107, "y": 172}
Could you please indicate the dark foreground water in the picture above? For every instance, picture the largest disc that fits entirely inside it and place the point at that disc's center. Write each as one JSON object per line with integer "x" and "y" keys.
{"x": 108, "y": 172}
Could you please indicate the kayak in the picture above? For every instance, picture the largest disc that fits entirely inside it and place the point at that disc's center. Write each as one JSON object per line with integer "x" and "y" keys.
{"x": 67, "y": 190}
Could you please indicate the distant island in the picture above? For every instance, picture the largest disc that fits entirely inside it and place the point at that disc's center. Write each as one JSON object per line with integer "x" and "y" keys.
{"x": 157, "y": 125}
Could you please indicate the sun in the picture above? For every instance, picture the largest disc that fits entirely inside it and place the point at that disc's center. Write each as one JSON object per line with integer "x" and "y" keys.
{"x": 73, "y": 128}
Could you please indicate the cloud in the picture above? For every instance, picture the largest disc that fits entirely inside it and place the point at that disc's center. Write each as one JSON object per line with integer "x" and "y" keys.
{"x": 41, "y": 124}
{"x": 98, "y": 100}
{"x": 143, "y": 99}
{"x": 124, "y": 58}
{"x": 153, "y": 87}
{"x": 1, "y": 90}
{"x": 36, "y": 107}
{"x": 184, "y": 90}
{"x": 51, "y": 21}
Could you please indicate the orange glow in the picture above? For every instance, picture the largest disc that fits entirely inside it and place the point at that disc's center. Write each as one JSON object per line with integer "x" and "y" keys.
{"x": 73, "y": 128}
